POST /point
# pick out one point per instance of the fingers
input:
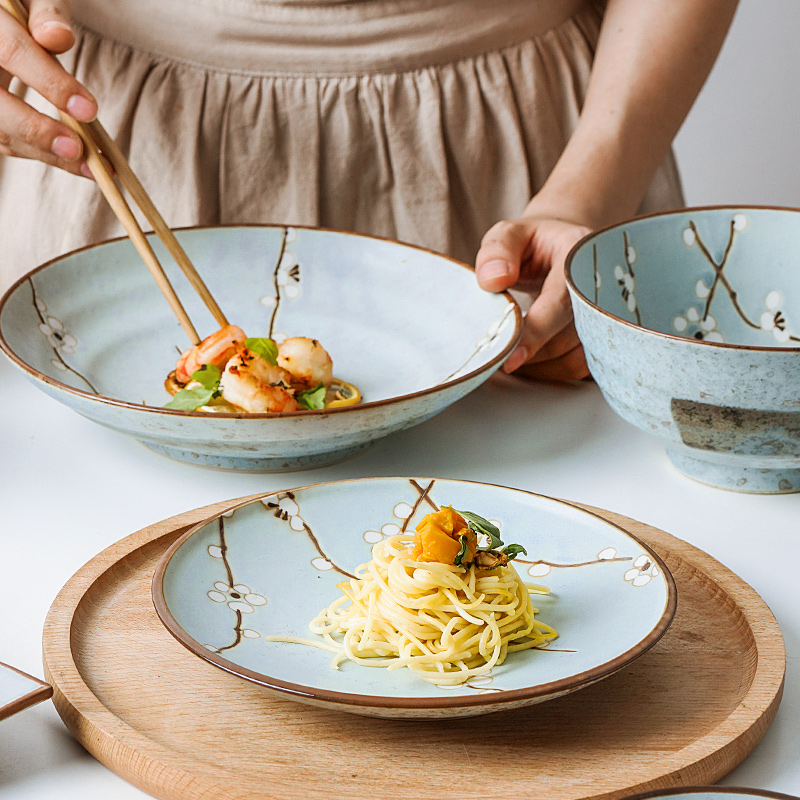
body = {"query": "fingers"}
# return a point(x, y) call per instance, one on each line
point(49, 24)
point(503, 248)
point(550, 313)
point(22, 56)
point(564, 341)
point(569, 367)
point(27, 133)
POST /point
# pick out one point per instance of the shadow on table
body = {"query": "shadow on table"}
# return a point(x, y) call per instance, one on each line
point(33, 742)
point(503, 425)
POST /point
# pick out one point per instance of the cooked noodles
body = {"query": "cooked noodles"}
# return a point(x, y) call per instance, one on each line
point(446, 623)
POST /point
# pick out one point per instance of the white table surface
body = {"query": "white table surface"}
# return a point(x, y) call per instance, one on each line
point(70, 488)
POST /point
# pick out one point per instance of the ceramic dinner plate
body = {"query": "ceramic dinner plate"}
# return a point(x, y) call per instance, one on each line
point(711, 793)
point(267, 567)
point(19, 690)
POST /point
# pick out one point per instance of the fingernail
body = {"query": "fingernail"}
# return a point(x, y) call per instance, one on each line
point(86, 172)
point(516, 359)
point(81, 108)
point(492, 270)
point(66, 148)
point(54, 23)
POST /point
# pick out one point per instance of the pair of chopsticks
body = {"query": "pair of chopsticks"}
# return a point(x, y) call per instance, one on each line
point(98, 143)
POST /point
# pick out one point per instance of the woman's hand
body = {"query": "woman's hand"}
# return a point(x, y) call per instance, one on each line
point(24, 131)
point(528, 254)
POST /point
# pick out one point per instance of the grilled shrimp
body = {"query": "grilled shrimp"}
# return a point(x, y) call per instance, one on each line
point(215, 349)
point(255, 385)
point(307, 361)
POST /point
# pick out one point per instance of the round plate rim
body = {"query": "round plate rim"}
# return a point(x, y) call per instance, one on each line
point(111, 401)
point(343, 699)
point(678, 791)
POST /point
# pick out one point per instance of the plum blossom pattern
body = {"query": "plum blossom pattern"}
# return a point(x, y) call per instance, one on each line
point(626, 278)
point(696, 321)
point(402, 512)
point(238, 597)
point(538, 569)
point(644, 569)
point(58, 338)
point(283, 505)
point(62, 342)
point(773, 320)
point(486, 341)
point(692, 323)
point(285, 277)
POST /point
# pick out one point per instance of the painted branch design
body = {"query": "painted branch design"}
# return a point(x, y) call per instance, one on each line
point(57, 337)
point(237, 597)
point(297, 523)
point(490, 337)
point(276, 287)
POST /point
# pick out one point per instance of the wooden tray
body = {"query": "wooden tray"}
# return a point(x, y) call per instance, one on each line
point(686, 712)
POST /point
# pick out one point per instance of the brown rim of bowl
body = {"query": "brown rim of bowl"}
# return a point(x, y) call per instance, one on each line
point(710, 789)
point(498, 359)
point(411, 703)
point(671, 213)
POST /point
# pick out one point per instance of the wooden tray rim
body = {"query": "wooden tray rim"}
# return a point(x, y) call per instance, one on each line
point(93, 724)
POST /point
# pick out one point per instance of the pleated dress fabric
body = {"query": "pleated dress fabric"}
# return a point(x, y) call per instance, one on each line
point(421, 120)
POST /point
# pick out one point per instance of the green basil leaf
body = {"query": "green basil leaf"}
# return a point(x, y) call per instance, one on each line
point(266, 348)
point(190, 399)
point(481, 525)
point(312, 399)
point(462, 552)
point(513, 550)
point(208, 376)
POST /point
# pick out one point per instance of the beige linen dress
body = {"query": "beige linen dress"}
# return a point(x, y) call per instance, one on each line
point(421, 120)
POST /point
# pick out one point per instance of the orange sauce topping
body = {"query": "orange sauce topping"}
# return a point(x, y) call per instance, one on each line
point(437, 538)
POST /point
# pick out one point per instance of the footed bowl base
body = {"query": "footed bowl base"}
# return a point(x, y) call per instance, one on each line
point(260, 463)
point(734, 477)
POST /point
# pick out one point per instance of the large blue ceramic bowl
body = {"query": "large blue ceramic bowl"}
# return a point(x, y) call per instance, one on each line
point(691, 325)
point(409, 327)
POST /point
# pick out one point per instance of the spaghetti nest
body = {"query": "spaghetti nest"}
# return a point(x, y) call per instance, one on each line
point(446, 623)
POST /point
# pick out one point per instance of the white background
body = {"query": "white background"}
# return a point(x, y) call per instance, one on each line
point(741, 141)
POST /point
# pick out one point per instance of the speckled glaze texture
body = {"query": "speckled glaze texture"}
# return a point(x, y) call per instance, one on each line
point(690, 322)
point(269, 566)
point(409, 327)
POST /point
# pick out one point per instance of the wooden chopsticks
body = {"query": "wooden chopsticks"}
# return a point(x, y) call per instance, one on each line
point(98, 143)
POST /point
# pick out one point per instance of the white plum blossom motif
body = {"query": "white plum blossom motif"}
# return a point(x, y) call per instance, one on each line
point(739, 222)
point(539, 570)
point(57, 336)
point(701, 289)
point(644, 569)
point(287, 280)
point(627, 283)
point(401, 511)
point(237, 597)
point(486, 341)
point(693, 325)
point(773, 320)
point(247, 633)
point(494, 330)
point(284, 507)
point(480, 684)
